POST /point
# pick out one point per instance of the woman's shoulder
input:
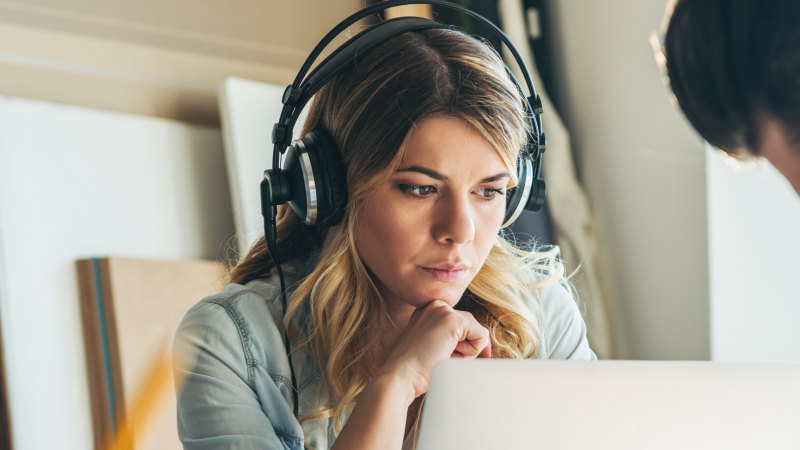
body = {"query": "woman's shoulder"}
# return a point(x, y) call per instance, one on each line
point(239, 318)
point(252, 307)
point(258, 299)
point(564, 330)
point(558, 302)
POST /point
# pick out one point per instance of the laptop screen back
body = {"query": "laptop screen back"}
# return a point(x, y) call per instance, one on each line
point(620, 405)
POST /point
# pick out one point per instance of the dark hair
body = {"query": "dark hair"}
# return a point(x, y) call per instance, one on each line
point(733, 64)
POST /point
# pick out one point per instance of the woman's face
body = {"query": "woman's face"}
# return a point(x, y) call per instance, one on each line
point(426, 231)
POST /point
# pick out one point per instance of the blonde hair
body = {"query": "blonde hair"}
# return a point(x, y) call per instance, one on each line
point(369, 110)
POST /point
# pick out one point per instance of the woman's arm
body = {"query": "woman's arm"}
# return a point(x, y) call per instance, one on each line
point(217, 406)
point(378, 419)
point(435, 332)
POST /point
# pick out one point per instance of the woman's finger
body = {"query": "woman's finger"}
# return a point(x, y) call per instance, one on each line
point(465, 350)
point(487, 351)
point(473, 348)
point(473, 331)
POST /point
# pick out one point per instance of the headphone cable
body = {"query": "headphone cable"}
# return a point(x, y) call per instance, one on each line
point(270, 235)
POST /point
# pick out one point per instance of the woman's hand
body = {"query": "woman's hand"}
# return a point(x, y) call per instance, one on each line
point(434, 333)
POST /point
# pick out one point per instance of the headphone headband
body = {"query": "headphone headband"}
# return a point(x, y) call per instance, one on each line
point(384, 5)
point(306, 84)
point(296, 97)
point(303, 88)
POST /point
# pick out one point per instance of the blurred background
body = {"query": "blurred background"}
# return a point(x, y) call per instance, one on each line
point(119, 139)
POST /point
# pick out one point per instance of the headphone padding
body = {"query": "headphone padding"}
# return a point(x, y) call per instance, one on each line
point(518, 196)
point(331, 177)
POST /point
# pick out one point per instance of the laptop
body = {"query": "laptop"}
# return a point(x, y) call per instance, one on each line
point(619, 405)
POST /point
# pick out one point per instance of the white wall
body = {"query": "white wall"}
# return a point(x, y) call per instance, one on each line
point(701, 258)
point(754, 256)
point(76, 183)
point(644, 171)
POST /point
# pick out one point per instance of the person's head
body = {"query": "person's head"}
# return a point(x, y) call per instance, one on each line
point(371, 108)
point(734, 67)
point(425, 100)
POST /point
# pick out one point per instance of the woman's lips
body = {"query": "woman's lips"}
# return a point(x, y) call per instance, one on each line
point(446, 273)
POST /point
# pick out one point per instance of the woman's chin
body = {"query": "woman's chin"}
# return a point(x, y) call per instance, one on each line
point(449, 296)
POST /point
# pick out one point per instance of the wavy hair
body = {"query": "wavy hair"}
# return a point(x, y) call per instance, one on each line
point(370, 110)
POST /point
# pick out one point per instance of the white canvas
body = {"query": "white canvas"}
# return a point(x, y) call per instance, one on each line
point(249, 109)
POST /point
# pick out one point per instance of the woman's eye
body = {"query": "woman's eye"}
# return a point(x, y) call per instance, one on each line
point(419, 191)
point(490, 193)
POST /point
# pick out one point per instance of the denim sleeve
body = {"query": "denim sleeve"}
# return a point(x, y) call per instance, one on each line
point(218, 408)
point(565, 330)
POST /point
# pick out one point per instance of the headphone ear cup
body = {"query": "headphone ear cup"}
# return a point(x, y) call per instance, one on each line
point(517, 197)
point(537, 196)
point(328, 185)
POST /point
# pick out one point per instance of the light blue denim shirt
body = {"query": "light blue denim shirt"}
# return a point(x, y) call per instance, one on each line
point(235, 390)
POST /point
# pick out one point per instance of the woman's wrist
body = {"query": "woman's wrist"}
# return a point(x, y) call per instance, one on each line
point(379, 417)
point(398, 381)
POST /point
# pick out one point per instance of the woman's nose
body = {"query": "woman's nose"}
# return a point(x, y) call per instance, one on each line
point(454, 222)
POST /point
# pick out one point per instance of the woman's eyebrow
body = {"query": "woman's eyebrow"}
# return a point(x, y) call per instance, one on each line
point(437, 176)
point(497, 177)
point(429, 172)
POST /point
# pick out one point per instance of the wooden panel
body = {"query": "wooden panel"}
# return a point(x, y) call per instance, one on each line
point(153, 57)
point(131, 309)
point(98, 362)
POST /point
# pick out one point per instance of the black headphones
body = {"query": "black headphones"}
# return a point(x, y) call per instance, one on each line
point(312, 177)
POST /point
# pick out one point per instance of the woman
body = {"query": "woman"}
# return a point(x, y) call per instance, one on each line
point(429, 127)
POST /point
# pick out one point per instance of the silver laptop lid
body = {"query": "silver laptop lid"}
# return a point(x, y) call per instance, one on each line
point(619, 405)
